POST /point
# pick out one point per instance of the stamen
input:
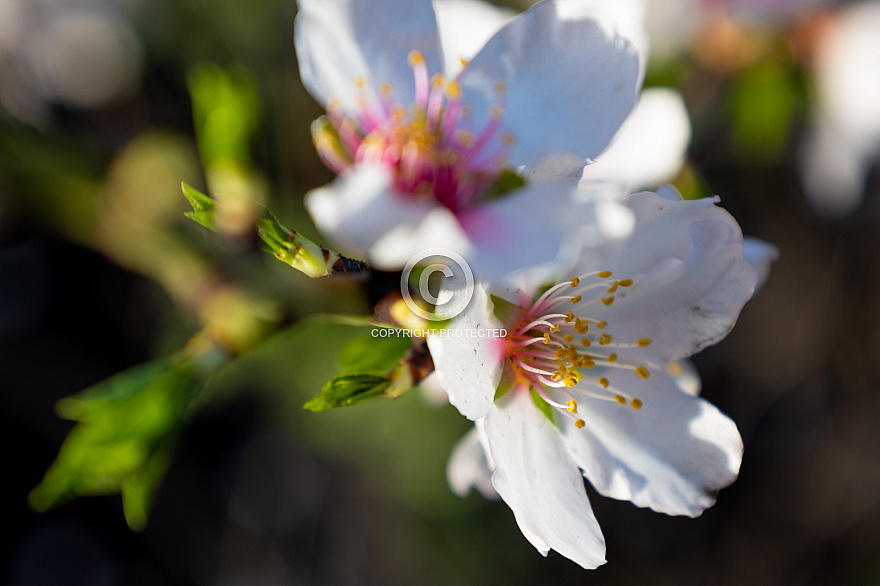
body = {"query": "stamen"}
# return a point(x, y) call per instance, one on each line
point(580, 423)
point(636, 404)
point(575, 282)
point(608, 300)
point(572, 406)
point(620, 399)
point(642, 372)
point(643, 342)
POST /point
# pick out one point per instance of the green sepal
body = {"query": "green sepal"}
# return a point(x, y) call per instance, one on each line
point(348, 389)
point(508, 181)
point(542, 406)
point(504, 310)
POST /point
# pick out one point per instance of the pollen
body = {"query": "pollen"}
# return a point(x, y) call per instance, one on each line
point(625, 283)
point(496, 111)
point(438, 79)
point(386, 89)
point(605, 339)
point(643, 372)
point(464, 62)
point(612, 357)
point(608, 300)
point(415, 58)
point(580, 423)
point(554, 329)
point(546, 338)
point(569, 317)
point(508, 138)
point(621, 400)
point(575, 300)
point(643, 342)
point(601, 325)
point(636, 404)
point(453, 90)
point(575, 282)
point(586, 342)
point(360, 82)
point(604, 382)
point(580, 326)
point(572, 406)
point(568, 338)
point(604, 274)
point(613, 287)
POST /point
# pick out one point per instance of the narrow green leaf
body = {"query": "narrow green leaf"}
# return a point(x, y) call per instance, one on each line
point(348, 389)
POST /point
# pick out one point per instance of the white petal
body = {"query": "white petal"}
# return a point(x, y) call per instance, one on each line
point(432, 392)
point(570, 81)
point(468, 467)
point(465, 26)
point(671, 455)
point(535, 233)
point(362, 211)
point(557, 167)
point(691, 280)
point(651, 146)
point(761, 255)
point(469, 366)
point(685, 376)
point(538, 480)
point(338, 41)
point(629, 19)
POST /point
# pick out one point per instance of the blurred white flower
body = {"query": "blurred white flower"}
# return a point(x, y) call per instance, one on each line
point(594, 382)
point(418, 151)
point(79, 53)
point(845, 139)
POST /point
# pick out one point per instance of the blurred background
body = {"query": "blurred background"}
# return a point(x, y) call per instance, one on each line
point(107, 105)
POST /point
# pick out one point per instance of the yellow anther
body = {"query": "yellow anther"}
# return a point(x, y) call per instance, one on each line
point(636, 404)
point(612, 357)
point(500, 88)
point(575, 300)
point(508, 138)
point(568, 338)
point(415, 58)
point(398, 111)
point(604, 382)
point(360, 81)
point(453, 90)
point(620, 399)
point(560, 354)
point(605, 339)
point(556, 377)
point(608, 300)
point(438, 79)
point(580, 326)
point(575, 282)
point(601, 325)
point(386, 89)
point(569, 317)
point(613, 287)
point(643, 372)
point(464, 62)
point(546, 338)
point(586, 342)
point(580, 423)
point(463, 137)
point(570, 381)
point(642, 342)
point(572, 406)
point(496, 111)
point(625, 283)
point(674, 369)
point(554, 328)
point(604, 274)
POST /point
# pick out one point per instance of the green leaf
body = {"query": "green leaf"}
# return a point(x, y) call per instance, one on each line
point(370, 353)
point(126, 432)
point(203, 206)
point(348, 389)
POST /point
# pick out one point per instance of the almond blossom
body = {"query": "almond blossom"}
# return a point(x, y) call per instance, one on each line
point(424, 145)
point(589, 381)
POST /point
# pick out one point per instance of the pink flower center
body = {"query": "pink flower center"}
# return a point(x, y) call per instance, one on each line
point(561, 350)
point(432, 147)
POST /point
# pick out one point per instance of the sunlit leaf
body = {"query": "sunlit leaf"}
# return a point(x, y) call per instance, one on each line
point(348, 389)
point(126, 430)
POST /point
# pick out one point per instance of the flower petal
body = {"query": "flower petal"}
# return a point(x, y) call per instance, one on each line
point(691, 280)
point(468, 466)
point(761, 255)
point(339, 41)
point(670, 456)
point(469, 366)
point(570, 81)
point(538, 480)
point(465, 26)
point(546, 224)
point(362, 211)
point(651, 146)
